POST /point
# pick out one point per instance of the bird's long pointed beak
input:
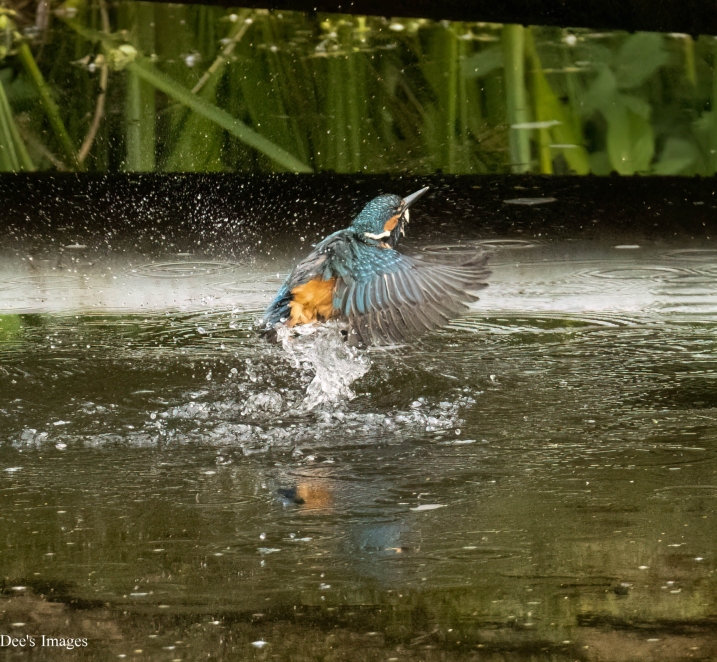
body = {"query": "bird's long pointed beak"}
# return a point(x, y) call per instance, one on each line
point(410, 199)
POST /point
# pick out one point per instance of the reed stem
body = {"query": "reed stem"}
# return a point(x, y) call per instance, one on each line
point(140, 101)
point(354, 97)
point(216, 69)
point(513, 43)
point(451, 100)
point(465, 106)
point(713, 153)
point(690, 69)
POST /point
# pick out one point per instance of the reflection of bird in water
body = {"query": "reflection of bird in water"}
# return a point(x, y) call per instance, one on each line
point(366, 538)
point(311, 495)
point(356, 275)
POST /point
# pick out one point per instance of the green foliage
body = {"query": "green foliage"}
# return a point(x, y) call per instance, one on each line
point(201, 88)
point(562, 128)
point(637, 59)
point(678, 157)
point(630, 138)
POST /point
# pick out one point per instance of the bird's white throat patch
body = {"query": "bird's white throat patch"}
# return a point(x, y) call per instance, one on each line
point(371, 235)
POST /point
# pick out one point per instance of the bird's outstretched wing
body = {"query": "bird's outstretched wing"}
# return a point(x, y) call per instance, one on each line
point(385, 297)
point(393, 297)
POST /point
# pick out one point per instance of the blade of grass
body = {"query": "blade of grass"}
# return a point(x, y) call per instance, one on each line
point(237, 128)
point(9, 161)
point(17, 152)
point(35, 145)
point(336, 115)
point(690, 70)
point(198, 145)
point(133, 118)
point(439, 67)
point(464, 106)
point(49, 105)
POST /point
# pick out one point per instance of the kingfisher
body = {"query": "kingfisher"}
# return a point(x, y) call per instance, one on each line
point(384, 297)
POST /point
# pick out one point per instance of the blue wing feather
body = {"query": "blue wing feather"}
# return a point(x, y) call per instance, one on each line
point(395, 297)
point(385, 296)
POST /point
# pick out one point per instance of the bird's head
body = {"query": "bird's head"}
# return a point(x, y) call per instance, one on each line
point(381, 222)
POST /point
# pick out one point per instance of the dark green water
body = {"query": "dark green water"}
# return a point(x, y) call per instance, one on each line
point(536, 482)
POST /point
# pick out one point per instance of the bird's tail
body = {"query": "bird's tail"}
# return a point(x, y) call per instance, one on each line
point(277, 311)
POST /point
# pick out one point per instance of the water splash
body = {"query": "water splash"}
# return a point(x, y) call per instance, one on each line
point(273, 421)
point(321, 350)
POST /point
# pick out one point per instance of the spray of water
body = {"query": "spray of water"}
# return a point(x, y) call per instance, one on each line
point(322, 351)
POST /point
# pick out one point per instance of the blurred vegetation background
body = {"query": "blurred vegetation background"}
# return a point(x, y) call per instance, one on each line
point(91, 85)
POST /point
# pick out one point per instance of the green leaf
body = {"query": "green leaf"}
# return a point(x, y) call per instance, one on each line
point(482, 63)
point(630, 140)
point(630, 136)
point(640, 57)
point(677, 156)
point(600, 163)
point(21, 93)
point(602, 93)
point(637, 105)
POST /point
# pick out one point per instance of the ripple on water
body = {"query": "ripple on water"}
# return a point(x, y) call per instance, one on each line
point(182, 269)
point(42, 281)
point(654, 273)
point(695, 279)
point(242, 288)
point(209, 329)
point(518, 324)
point(704, 255)
point(507, 244)
point(687, 491)
point(470, 247)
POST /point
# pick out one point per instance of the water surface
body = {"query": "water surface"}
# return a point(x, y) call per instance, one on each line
point(535, 482)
